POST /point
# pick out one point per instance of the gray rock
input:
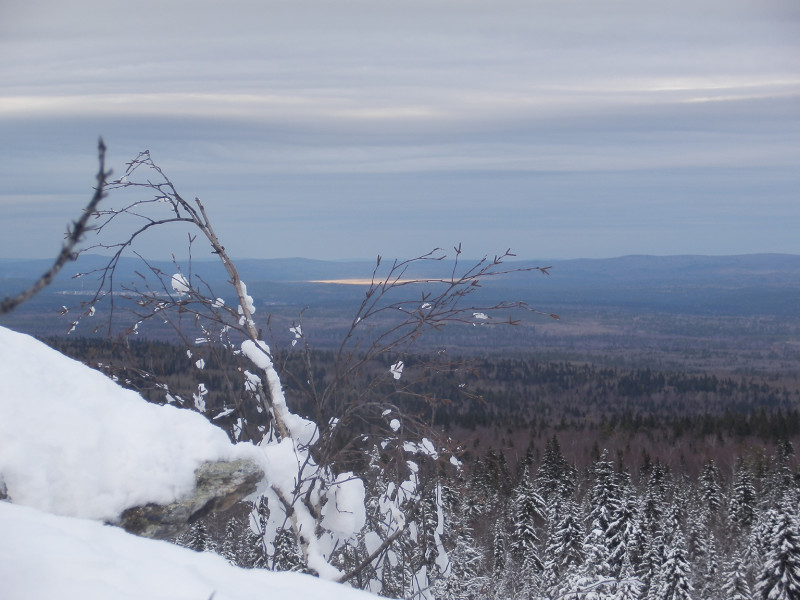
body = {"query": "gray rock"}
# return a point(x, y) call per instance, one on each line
point(219, 486)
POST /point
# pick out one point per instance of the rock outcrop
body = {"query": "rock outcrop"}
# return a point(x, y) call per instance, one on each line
point(219, 486)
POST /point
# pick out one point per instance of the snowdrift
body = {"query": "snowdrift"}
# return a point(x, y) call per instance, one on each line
point(75, 450)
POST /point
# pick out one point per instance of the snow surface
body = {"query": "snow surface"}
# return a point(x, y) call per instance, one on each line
point(48, 556)
point(75, 444)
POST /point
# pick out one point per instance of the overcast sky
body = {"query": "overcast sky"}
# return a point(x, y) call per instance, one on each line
point(345, 129)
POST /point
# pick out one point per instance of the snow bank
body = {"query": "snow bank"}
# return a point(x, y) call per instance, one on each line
point(73, 442)
point(47, 556)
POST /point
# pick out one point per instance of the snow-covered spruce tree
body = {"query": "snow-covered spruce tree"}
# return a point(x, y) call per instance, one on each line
point(595, 569)
point(500, 571)
point(564, 552)
point(555, 477)
point(286, 556)
point(624, 535)
point(198, 539)
point(250, 552)
point(675, 581)
point(735, 583)
point(313, 491)
point(465, 579)
point(742, 504)
point(528, 509)
point(780, 480)
point(652, 516)
point(704, 518)
point(605, 500)
point(779, 578)
point(629, 587)
point(710, 490)
point(605, 495)
point(230, 544)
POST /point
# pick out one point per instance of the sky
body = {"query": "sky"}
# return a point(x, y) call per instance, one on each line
point(342, 129)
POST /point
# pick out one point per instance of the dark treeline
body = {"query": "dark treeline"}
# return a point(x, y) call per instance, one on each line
point(502, 402)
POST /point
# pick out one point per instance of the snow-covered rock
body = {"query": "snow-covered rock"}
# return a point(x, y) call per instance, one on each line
point(76, 449)
point(74, 443)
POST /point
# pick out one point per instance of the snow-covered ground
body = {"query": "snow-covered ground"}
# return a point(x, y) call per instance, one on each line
point(75, 450)
point(48, 556)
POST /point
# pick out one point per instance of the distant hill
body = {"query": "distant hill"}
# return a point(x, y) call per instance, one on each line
point(695, 312)
point(735, 270)
point(744, 284)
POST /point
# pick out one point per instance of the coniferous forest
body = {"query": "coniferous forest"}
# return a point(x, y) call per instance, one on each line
point(546, 529)
point(695, 496)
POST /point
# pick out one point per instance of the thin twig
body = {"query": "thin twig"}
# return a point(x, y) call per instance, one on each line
point(74, 235)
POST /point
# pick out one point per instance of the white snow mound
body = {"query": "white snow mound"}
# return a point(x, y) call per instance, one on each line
point(47, 556)
point(75, 443)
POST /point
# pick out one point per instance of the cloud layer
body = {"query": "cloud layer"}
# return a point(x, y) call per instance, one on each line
point(557, 128)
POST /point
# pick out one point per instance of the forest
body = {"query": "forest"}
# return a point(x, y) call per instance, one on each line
point(673, 485)
point(545, 529)
point(681, 418)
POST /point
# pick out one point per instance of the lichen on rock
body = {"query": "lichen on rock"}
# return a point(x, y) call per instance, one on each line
point(219, 485)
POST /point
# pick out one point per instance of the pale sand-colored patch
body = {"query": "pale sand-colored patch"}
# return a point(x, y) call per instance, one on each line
point(355, 281)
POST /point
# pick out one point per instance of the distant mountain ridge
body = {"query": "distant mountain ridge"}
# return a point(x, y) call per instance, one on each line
point(748, 284)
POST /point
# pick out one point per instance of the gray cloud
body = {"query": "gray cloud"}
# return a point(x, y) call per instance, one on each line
point(558, 128)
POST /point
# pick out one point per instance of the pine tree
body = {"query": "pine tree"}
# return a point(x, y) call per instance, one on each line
point(230, 544)
point(499, 550)
point(623, 534)
point(255, 549)
point(707, 565)
point(780, 479)
point(198, 538)
point(555, 477)
point(528, 507)
point(425, 547)
point(675, 582)
point(463, 580)
point(252, 553)
point(595, 564)
point(734, 583)
point(564, 551)
point(287, 556)
point(711, 488)
point(650, 571)
point(780, 576)
point(605, 495)
point(743, 497)
point(652, 547)
point(629, 587)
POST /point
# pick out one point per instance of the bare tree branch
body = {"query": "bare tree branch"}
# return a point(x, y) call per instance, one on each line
point(74, 235)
